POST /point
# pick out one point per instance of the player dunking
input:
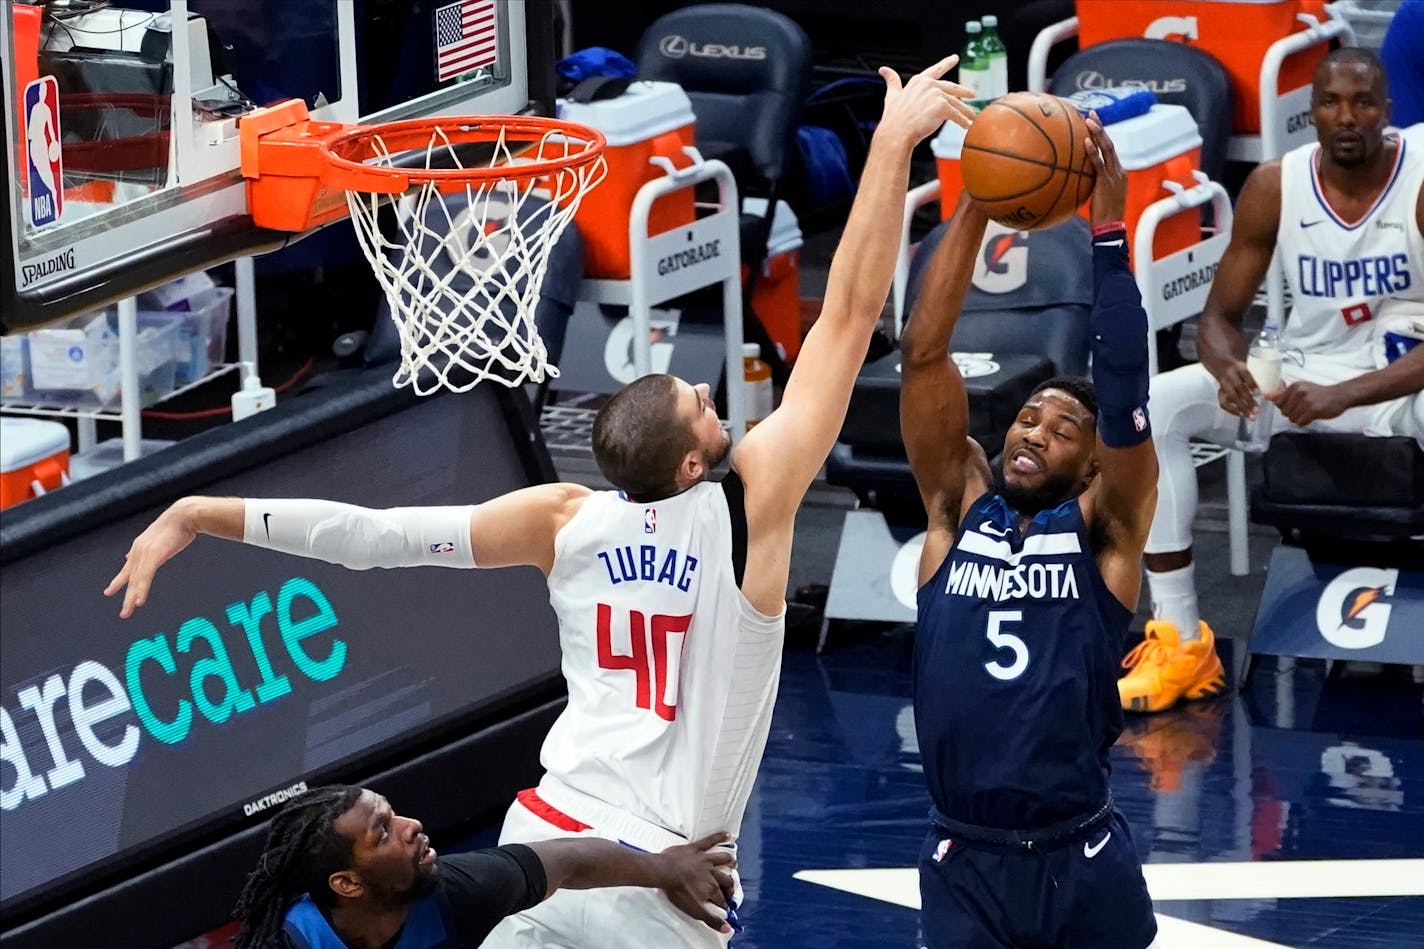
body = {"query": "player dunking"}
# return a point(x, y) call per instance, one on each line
point(670, 592)
point(1029, 577)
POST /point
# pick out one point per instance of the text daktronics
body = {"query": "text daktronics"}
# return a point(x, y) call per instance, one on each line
point(95, 695)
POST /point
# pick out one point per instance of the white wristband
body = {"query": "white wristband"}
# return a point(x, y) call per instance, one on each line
point(358, 537)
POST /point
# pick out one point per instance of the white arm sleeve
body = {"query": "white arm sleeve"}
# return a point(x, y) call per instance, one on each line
point(358, 537)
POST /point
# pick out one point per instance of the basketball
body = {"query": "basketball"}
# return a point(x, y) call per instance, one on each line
point(1024, 160)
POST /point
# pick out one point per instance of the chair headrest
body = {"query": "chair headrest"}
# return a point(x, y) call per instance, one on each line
point(729, 48)
point(1177, 73)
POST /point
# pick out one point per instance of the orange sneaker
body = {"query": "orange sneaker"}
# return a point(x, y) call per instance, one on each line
point(1163, 669)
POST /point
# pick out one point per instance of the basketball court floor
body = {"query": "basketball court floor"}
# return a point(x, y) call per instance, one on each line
point(1290, 813)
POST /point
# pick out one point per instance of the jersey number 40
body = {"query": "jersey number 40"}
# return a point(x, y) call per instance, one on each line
point(653, 661)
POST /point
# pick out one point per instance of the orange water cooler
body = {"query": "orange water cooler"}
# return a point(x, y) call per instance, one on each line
point(1163, 144)
point(1237, 32)
point(34, 459)
point(776, 300)
point(946, 146)
point(649, 119)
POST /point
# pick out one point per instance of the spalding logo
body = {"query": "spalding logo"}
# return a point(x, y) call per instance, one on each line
point(674, 46)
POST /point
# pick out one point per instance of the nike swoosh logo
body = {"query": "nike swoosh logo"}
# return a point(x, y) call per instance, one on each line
point(265, 527)
point(989, 528)
point(1304, 224)
point(1090, 851)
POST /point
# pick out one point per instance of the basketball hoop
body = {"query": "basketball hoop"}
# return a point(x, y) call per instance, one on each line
point(479, 202)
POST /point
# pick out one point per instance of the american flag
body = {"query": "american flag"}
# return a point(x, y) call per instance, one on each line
point(464, 37)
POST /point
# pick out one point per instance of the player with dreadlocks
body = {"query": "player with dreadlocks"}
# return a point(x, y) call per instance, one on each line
point(342, 870)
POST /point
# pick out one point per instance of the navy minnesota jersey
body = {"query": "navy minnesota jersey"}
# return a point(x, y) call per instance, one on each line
point(1015, 674)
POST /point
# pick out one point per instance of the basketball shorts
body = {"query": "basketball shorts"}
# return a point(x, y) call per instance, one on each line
point(619, 917)
point(1084, 891)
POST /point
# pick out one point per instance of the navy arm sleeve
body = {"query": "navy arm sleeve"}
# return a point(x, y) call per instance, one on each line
point(1119, 332)
point(482, 887)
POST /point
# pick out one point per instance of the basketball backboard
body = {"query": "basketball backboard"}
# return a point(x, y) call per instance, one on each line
point(121, 159)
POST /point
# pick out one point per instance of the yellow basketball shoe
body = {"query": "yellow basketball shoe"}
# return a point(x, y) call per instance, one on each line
point(1163, 669)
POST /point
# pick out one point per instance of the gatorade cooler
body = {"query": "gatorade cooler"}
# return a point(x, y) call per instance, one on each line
point(946, 145)
point(1236, 32)
point(651, 118)
point(34, 458)
point(777, 297)
point(1162, 144)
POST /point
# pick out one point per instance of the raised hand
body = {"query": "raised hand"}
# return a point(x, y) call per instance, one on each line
point(160, 542)
point(698, 879)
point(922, 105)
point(1110, 193)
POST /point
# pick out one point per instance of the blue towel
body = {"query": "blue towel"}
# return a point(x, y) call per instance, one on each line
point(595, 61)
point(1113, 104)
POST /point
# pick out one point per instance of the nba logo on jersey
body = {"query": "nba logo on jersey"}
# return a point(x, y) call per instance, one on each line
point(650, 520)
point(444, 547)
point(942, 849)
point(1139, 419)
point(44, 171)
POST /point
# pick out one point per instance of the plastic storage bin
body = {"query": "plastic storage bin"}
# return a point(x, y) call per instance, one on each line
point(78, 366)
point(34, 458)
point(651, 118)
point(14, 368)
point(777, 297)
point(1236, 32)
point(202, 332)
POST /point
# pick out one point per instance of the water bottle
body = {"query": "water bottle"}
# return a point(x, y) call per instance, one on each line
point(756, 379)
point(991, 48)
point(1263, 361)
point(973, 66)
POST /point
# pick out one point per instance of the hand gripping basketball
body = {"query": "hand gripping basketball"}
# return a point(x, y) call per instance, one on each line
point(1024, 163)
point(1110, 193)
point(923, 104)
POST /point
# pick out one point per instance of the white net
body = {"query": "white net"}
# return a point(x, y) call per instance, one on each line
point(463, 264)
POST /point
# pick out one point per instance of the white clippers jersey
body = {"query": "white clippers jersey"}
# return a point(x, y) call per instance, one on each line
point(671, 672)
point(1340, 272)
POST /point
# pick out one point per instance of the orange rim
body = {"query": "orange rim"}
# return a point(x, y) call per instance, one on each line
point(346, 152)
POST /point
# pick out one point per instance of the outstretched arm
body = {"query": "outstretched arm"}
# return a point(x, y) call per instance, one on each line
point(694, 876)
point(513, 529)
point(1124, 495)
point(934, 408)
point(780, 457)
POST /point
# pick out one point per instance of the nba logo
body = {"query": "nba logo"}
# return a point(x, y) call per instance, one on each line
point(650, 520)
point(44, 171)
point(1139, 419)
point(942, 849)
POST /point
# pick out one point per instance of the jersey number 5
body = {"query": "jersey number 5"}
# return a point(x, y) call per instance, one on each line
point(1006, 672)
point(651, 679)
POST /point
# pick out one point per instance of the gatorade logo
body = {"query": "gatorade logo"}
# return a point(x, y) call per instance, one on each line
point(618, 348)
point(1353, 610)
point(1179, 28)
point(1003, 261)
